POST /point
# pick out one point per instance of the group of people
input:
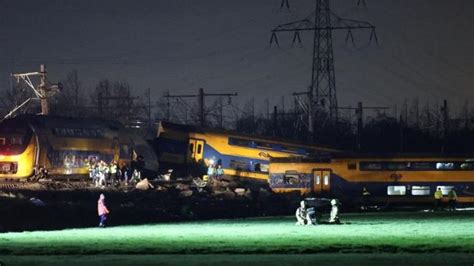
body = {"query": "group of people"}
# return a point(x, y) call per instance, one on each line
point(215, 172)
point(452, 199)
point(307, 215)
point(103, 174)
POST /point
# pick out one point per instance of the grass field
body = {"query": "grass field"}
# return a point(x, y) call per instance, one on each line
point(385, 234)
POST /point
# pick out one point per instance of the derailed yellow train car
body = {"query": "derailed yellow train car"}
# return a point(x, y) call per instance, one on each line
point(240, 155)
point(66, 146)
point(385, 178)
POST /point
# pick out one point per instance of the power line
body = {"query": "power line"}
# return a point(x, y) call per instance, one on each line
point(201, 103)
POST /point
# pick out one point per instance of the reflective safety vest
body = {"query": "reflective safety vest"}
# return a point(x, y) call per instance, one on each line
point(438, 194)
point(113, 169)
point(452, 195)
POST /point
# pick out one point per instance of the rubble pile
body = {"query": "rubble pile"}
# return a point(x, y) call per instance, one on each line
point(55, 205)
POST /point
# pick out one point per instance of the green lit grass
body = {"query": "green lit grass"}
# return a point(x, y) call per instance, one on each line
point(361, 233)
point(320, 259)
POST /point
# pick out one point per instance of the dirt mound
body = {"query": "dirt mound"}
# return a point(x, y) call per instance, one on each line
point(57, 205)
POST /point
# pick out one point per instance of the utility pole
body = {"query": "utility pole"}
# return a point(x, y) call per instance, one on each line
point(42, 92)
point(275, 120)
point(402, 138)
point(201, 103)
point(322, 23)
point(359, 110)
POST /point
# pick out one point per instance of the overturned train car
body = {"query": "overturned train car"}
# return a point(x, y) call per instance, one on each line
point(241, 156)
point(394, 179)
point(66, 146)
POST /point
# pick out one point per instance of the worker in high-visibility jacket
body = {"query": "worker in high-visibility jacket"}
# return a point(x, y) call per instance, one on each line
point(438, 197)
point(113, 172)
point(452, 198)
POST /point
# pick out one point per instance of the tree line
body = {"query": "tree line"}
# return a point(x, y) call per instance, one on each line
point(411, 127)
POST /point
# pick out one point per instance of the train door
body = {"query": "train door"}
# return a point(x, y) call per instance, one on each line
point(195, 150)
point(321, 181)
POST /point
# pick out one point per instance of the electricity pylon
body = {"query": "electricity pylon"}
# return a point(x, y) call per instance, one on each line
point(322, 22)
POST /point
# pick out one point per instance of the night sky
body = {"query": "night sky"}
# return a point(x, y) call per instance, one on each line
point(426, 47)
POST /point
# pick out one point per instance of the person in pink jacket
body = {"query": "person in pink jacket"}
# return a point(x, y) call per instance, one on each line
point(102, 210)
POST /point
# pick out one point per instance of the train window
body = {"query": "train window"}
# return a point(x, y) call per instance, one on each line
point(396, 190)
point(264, 168)
point(326, 180)
point(445, 189)
point(318, 179)
point(256, 167)
point(444, 166)
point(199, 149)
point(291, 177)
point(352, 166)
point(420, 190)
point(277, 147)
point(397, 165)
point(2, 141)
point(264, 145)
point(370, 166)
point(238, 165)
point(467, 165)
point(422, 166)
point(293, 149)
point(191, 148)
point(240, 142)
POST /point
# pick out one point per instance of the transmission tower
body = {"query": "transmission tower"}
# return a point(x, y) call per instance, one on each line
point(322, 22)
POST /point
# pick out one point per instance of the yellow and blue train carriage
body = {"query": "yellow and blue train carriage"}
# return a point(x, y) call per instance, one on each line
point(66, 146)
point(389, 178)
point(239, 155)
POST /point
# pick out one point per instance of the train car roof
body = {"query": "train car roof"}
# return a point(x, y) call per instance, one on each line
point(203, 130)
point(326, 158)
point(48, 121)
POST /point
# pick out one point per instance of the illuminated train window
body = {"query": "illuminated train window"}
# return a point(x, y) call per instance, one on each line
point(420, 190)
point(445, 189)
point(444, 166)
point(326, 180)
point(396, 190)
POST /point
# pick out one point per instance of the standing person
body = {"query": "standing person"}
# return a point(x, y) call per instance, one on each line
point(365, 199)
point(102, 173)
point(219, 172)
point(113, 172)
point(126, 173)
point(102, 210)
point(211, 172)
point(438, 197)
point(334, 215)
point(452, 197)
